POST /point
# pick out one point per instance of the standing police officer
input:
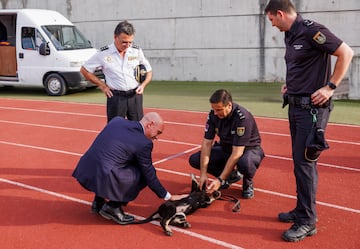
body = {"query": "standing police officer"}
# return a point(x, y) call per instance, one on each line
point(238, 151)
point(308, 90)
point(118, 62)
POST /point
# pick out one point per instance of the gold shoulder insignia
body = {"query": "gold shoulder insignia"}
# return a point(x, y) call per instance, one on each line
point(319, 37)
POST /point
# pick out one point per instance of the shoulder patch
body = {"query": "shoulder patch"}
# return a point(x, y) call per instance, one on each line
point(308, 22)
point(240, 131)
point(319, 37)
point(104, 48)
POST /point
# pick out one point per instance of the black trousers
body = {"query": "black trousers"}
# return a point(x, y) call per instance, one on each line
point(247, 164)
point(306, 174)
point(126, 106)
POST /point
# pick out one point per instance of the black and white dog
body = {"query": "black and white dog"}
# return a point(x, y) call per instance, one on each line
point(174, 212)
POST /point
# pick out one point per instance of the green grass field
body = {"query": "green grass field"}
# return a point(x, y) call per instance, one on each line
point(262, 99)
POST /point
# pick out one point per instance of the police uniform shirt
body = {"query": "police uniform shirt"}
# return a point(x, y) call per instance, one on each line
point(238, 129)
point(308, 49)
point(118, 71)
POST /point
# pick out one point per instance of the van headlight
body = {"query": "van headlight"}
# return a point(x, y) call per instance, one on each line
point(76, 63)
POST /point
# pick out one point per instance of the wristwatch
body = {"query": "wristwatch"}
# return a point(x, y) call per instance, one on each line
point(222, 182)
point(331, 85)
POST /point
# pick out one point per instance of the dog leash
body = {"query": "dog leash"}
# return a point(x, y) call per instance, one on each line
point(233, 199)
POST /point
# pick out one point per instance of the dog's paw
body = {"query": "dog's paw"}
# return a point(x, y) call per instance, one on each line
point(186, 225)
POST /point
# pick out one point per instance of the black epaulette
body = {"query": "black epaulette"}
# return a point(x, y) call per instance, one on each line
point(104, 48)
point(308, 22)
point(135, 46)
point(240, 114)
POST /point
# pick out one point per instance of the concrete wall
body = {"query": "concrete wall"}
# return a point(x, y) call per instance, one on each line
point(205, 40)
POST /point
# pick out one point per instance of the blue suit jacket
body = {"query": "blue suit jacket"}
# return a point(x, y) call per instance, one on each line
point(118, 165)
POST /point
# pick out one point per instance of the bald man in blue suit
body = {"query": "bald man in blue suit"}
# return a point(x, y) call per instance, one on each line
point(118, 165)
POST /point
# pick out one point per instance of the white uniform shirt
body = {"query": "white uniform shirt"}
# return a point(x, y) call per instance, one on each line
point(118, 71)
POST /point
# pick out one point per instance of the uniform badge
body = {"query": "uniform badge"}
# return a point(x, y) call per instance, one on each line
point(320, 38)
point(108, 59)
point(240, 131)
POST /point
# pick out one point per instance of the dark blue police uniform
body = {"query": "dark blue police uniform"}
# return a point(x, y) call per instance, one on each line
point(238, 129)
point(118, 165)
point(308, 49)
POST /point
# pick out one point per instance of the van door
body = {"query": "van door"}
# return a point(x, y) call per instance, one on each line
point(30, 62)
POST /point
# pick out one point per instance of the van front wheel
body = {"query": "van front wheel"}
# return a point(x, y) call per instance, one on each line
point(55, 85)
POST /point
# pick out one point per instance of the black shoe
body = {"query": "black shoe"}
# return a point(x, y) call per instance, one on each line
point(96, 206)
point(235, 176)
point(298, 232)
point(287, 217)
point(248, 191)
point(116, 214)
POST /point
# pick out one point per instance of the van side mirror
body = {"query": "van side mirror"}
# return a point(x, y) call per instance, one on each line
point(44, 49)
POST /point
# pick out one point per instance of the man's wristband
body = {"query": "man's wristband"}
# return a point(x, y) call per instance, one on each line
point(331, 85)
point(222, 182)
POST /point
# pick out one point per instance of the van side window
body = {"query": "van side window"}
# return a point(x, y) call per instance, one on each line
point(31, 38)
point(3, 32)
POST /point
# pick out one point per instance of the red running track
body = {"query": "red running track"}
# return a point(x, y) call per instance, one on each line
point(42, 206)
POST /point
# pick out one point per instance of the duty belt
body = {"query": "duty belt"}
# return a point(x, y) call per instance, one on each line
point(128, 93)
point(302, 101)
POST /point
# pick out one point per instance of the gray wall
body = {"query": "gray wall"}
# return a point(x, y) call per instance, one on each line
point(206, 40)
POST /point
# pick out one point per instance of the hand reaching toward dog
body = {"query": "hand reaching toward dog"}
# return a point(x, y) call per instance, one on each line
point(214, 186)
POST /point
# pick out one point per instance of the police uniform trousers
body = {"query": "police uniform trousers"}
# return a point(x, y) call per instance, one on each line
point(306, 174)
point(125, 104)
point(247, 164)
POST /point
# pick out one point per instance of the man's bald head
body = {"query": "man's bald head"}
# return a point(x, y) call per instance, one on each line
point(153, 125)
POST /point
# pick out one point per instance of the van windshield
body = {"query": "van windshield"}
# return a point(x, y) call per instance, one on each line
point(66, 37)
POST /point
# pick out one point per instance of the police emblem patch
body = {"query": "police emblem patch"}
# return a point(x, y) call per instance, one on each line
point(240, 131)
point(108, 59)
point(320, 38)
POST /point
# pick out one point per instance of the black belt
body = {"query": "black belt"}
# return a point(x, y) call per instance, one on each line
point(303, 101)
point(128, 93)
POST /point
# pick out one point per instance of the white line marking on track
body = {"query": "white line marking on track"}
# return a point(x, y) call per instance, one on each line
point(167, 122)
point(66, 197)
point(185, 174)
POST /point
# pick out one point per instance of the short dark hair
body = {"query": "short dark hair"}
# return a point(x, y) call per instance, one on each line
point(284, 5)
point(221, 95)
point(124, 27)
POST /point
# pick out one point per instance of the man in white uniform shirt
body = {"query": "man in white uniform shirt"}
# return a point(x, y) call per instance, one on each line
point(118, 62)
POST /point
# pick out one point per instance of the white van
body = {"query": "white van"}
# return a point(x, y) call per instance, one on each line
point(42, 48)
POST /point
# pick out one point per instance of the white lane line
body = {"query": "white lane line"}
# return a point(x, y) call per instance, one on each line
point(54, 112)
point(167, 122)
point(69, 198)
point(160, 109)
point(185, 174)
